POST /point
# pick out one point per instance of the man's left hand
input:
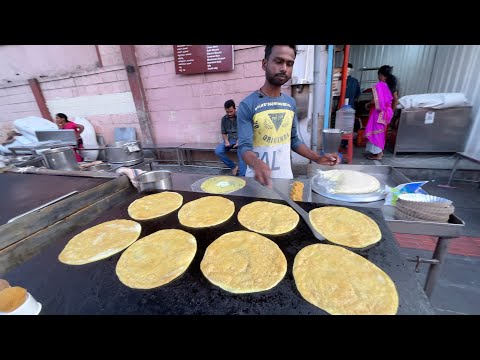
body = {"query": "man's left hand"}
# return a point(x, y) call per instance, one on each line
point(328, 159)
point(236, 145)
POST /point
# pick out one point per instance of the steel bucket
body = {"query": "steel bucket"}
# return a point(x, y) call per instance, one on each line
point(62, 158)
point(120, 153)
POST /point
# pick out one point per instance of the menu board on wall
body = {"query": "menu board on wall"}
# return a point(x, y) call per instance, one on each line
point(198, 59)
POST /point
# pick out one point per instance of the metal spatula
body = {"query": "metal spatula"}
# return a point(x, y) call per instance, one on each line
point(300, 211)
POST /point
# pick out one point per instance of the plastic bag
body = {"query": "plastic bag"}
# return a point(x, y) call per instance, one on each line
point(408, 188)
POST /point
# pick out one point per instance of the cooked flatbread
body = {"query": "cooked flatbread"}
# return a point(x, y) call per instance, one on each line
point(268, 218)
point(100, 242)
point(222, 184)
point(156, 259)
point(206, 211)
point(244, 262)
point(156, 205)
point(343, 283)
point(345, 227)
point(351, 182)
point(11, 298)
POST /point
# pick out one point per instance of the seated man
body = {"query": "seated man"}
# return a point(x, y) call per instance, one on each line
point(230, 139)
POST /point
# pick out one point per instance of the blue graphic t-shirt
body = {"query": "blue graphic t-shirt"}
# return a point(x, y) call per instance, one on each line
point(268, 127)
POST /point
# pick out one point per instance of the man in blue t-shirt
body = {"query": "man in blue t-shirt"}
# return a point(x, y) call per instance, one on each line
point(228, 128)
point(267, 122)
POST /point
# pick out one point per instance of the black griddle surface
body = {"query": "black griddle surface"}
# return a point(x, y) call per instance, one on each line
point(95, 288)
point(20, 193)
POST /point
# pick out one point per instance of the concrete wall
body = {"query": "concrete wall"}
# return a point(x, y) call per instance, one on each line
point(182, 107)
point(189, 107)
point(16, 102)
point(23, 62)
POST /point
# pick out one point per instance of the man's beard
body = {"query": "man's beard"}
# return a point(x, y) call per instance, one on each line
point(275, 80)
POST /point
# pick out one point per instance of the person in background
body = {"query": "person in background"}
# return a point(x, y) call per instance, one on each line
point(385, 99)
point(267, 122)
point(352, 92)
point(65, 124)
point(230, 139)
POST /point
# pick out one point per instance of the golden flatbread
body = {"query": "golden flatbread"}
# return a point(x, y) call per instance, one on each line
point(345, 226)
point(222, 184)
point(268, 218)
point(156, 205)
point(100, 242)
point(343, 283)
point(244, 262)
point(11, 298)
point(156, 259)
point(206, 211)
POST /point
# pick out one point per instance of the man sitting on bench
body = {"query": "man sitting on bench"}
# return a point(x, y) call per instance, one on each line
point(230, 139)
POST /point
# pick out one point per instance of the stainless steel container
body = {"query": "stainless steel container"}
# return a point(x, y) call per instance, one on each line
point(62, 158)
point(124, 152)
point(154, 180)
point(331, 140)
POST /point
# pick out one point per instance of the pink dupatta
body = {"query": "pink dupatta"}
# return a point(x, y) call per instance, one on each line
point(380, 116)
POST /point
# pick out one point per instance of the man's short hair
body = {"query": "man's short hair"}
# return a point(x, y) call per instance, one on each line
point(229, 103)
point(268, 50)
point(350, 65)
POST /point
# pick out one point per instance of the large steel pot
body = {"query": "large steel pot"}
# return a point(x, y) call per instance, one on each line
point(62, 158)
point(124, 152)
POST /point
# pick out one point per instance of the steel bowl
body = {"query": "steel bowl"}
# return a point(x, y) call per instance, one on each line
point(154, 180)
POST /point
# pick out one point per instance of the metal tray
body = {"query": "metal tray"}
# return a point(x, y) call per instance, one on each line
point(380, 194)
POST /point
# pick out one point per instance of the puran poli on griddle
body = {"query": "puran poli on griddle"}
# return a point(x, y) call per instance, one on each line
point(100, 241)
point(222, 184)
point(345, 226)
point(156, 259)
point(206, 211)
point(11, 298)
point(155, 205)
point(244, 262)
point(341, 282)
point(268, 218)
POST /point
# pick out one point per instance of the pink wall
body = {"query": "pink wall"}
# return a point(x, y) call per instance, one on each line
point(105, 81)
point(189, 107)
point(15, 102)
point(23, 62)
point(182, 107)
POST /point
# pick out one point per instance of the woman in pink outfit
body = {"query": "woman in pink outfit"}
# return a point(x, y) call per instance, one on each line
point(385, 99)
point(63, 123)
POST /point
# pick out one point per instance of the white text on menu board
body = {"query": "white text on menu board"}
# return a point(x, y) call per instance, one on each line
point(184, 56)
point(214, 56)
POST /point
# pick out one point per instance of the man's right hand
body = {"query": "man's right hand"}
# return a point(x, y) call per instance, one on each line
point(227, 144)
point(263, 173)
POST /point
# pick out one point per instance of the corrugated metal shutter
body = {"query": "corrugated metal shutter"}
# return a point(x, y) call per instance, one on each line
point(412, 64)
point(457, 69)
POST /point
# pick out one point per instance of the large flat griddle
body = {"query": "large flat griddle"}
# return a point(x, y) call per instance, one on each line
point(95, 289)
point(20, 193)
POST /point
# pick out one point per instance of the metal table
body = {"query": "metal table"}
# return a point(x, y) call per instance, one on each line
point(42, 145)
point(185, 153)
point(444, 231)
point(460, 156)
point(161, 146)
